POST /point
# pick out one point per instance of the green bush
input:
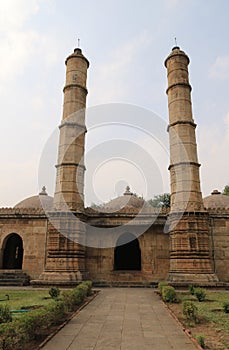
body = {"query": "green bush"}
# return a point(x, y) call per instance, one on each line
point(79, 295)
point(226, 307)
point(200, 294)
point(200, 339)
point(54, 292)
point(190, 311)
point(72, 299)
point(168, 294)
point(161, 285)
point(191, 289)
point(82, 288)
point(9, 337)
point(35, 324)
point(89, 287)
point(69, 300)
point(5, 314)
point(56, 312)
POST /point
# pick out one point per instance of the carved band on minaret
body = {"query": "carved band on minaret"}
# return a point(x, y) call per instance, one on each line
point(179, 84)
point(76, 86)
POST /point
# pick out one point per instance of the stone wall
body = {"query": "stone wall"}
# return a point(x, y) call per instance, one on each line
point(219, 223)
point(154, 246)
point(31, 226)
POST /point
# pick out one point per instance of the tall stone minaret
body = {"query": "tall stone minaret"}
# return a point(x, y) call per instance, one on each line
point(65, 250)
point(69, 194)
point(190, 256)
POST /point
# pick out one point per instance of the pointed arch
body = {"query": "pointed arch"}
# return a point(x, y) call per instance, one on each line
point(13, 252)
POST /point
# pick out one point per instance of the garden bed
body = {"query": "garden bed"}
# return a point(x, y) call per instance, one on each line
point(212, 323)
point(38, 316)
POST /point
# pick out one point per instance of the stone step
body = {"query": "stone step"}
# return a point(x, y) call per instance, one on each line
point(125, 284)
point(13, 275)
point(13, 278)
point(12, 283)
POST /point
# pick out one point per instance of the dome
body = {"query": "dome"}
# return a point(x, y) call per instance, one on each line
point(216, 200)
point(41, 201)
point(128, 200)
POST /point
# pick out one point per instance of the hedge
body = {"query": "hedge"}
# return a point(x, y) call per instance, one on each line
point(33, 326)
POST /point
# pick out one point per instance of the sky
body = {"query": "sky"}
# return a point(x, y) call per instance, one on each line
point(126, 43)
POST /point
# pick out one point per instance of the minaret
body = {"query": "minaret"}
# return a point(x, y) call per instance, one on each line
point(184, 167)
point(190, 257)
point(69, 194)
point(65, 250)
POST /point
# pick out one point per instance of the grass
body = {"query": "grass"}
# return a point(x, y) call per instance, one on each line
point(212, 308)
point(212, 325)
point(24, 299)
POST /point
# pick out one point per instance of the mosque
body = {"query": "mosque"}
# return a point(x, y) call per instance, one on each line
point(48, 240)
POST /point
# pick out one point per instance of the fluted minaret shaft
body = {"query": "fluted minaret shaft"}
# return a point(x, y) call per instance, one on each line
point(69, 193)
point(184, 166)
point(190, 254)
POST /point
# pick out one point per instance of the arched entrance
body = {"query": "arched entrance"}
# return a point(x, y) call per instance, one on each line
point(127, 256)
point(13, 252)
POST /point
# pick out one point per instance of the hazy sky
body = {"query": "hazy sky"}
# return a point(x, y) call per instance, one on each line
point(126, 43)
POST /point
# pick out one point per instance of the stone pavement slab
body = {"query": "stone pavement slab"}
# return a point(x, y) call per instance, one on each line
point(122, 319)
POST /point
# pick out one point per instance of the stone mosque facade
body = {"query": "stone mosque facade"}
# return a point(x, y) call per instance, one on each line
point(57, 241)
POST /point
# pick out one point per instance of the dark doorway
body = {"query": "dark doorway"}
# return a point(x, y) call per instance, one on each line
point(127, 254)
point(13, 253)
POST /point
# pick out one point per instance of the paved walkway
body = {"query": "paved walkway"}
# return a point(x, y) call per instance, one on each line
point(122, 319)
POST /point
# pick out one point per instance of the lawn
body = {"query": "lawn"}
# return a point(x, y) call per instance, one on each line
point(24, 299)
point(213, 321)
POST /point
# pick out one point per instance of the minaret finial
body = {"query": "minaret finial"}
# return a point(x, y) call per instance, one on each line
point(175, 47)
point(78, 42)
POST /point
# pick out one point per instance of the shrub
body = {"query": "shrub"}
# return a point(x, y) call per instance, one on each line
point(82, 289)
point(161, 285)
point(79, 295)
point(190, 311)
point(56, 312)
point(72, 298)
point(200, 294)
point(9, 337)
point(200, 339)
point(54, 292)
point(226, 307)
point(168, 294)
point(69, 301)
point(89, 287)
point(34, 323)
point(5, 314)
point(191, 289)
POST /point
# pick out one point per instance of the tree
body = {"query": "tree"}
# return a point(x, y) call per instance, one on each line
point(226, 190)
point(160, 201)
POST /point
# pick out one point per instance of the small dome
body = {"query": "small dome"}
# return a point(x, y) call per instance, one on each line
point(127, 200)
point(216, 200)
point(41, 201)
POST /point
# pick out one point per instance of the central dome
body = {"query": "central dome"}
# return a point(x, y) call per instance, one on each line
point(128, 200)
